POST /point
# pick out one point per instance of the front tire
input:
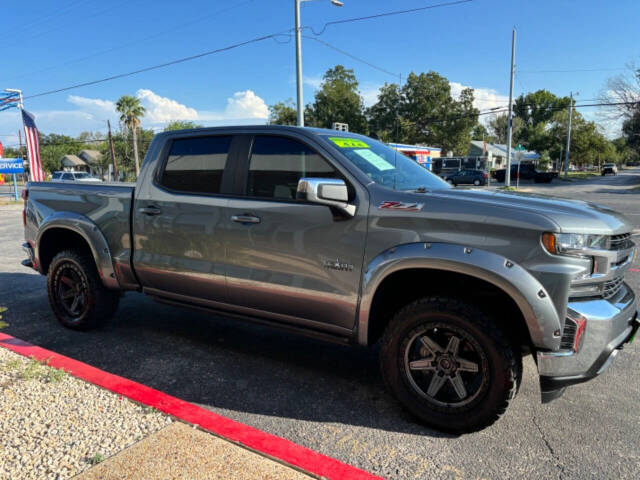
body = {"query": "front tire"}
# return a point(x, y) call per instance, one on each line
point(449, 364)
point(77, 296)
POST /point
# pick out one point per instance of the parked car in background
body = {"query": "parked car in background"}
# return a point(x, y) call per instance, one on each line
point(609, 168)
point(73, 177)
point(468, 177)
point(527, 171)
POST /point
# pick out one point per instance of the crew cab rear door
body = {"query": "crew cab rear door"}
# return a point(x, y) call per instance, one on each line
point(288, 259)
point(178, 219)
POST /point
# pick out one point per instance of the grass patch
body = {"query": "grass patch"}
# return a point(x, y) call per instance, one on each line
point(507, 189)
point(96, 459)
point(149, 410)
point(3, 324)
point(35, 370)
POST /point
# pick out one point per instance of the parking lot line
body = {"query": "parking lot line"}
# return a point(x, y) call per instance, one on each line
point(250, 437)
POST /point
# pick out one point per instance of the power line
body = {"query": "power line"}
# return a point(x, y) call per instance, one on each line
point(155, 67)
point(366, 62)
point(385, 14)
point(237, 45)
point(128, 44)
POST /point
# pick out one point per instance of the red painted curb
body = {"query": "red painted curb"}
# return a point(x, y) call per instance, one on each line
point(634, 269)
point(280, 448)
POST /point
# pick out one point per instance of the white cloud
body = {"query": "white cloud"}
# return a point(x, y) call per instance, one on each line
point(369, 94)
point(314, 82)
point(484, 98)
point(93, 105)
point(163, 109)
point(246, 105)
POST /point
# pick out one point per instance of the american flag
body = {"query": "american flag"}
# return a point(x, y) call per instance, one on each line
point(33, 146)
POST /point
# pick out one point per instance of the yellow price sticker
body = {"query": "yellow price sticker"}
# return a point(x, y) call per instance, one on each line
point(344, 142)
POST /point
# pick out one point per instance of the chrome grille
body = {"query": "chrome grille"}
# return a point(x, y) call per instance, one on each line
point(620, 242)
point(610, 288)
point(568, 334)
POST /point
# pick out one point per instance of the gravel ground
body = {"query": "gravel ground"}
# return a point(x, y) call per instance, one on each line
point(54, 426)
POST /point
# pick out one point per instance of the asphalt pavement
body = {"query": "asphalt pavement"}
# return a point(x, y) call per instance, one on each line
point(330, 398)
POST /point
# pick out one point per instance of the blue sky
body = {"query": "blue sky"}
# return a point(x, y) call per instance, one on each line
point(54, 44)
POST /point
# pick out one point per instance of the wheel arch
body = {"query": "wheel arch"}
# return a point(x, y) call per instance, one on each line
point(478, 271)
point(66, 230)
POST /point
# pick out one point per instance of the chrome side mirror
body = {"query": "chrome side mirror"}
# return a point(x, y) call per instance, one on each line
point(326, 191)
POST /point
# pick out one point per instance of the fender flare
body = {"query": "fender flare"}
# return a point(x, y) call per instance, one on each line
point(88, 230)
point(533, 300)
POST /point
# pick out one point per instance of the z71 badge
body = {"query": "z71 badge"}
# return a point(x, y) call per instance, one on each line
point(405, 206)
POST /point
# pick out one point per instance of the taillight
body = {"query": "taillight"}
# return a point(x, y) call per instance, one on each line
point(484, 175)
point(25, 197)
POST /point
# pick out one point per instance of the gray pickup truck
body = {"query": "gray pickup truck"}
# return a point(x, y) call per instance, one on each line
point(338, 236)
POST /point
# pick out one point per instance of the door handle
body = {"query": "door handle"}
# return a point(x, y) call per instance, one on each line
point(150, 210)
point(245, 219)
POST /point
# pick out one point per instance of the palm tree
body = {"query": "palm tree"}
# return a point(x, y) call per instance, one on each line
point(130, 112)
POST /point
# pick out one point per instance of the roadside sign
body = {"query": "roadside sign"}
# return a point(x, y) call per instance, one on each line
point(11, 165)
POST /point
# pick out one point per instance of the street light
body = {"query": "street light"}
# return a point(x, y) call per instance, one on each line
point(297, 3)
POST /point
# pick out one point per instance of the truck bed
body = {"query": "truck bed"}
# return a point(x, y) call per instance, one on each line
point(106, 205)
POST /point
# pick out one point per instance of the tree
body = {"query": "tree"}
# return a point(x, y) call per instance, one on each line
point(338, 100)
point(383, 115)
point(283, 113)
point(131, 111)
point(498, 129)
point(424, 111)
point(181, 125)
point(538, 107)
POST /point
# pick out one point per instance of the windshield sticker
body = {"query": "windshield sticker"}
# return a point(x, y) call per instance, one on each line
point(344, 142)
point(404, 206)
point(374, 159)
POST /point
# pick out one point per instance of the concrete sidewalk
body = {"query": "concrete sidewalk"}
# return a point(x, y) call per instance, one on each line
point(181, 451)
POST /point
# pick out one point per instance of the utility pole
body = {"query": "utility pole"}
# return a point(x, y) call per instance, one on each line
point(566, 154)
point(113, 154)
point(335, 3)
point(299, 65)
point(507, 175)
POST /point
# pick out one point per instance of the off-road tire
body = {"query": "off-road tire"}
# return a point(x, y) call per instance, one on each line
point(98, 303)
point(502, 364)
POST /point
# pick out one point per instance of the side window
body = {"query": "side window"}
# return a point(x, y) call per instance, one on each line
point(277, 163)
point(67, 176)
point(196, 165)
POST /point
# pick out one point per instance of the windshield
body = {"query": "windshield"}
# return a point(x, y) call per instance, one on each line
point(384, 165)
point(81, 175)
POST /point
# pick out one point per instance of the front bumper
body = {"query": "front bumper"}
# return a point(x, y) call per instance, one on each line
point(610, 324)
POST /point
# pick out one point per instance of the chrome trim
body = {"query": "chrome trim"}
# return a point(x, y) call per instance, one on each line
point(326, 191)
point(609, 323)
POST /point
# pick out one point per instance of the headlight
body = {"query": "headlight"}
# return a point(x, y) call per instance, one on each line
point(573, 243)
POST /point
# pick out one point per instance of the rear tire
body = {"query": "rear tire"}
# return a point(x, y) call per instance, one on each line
point(449, 364)
point(77, 296)
point(476, 183)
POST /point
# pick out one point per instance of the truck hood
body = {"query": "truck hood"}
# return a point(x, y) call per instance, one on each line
point(574, 216)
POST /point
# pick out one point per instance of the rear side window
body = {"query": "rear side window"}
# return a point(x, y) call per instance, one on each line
point(277, 163)
point(196, 165)
point(56, 176)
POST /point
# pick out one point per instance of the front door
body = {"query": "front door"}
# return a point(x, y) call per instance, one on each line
point(288, 259)
point(178, 218)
